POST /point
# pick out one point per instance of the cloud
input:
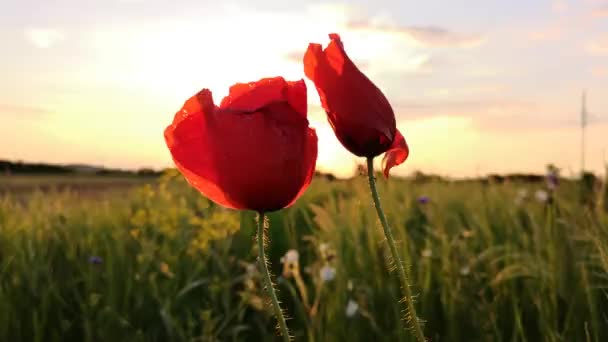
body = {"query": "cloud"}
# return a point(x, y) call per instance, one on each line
point(496, 115)
point(559, 6)
point(465, 108)
point(428, 36)
point(298, 56)
point(17, 114)
point(598, 46)
point(295, 56)
point(600, 12)
point(547, 34)
point(599, 72)
point(43, 38)
point(18, 110)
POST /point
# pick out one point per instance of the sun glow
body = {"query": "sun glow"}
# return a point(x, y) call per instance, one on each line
point(102, 92)
point(152, 69)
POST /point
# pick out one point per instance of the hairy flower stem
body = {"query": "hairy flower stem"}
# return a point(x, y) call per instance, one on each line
point(263, 261)
point(405, 286)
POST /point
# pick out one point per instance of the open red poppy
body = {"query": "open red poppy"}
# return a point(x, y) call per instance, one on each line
point(255, 151)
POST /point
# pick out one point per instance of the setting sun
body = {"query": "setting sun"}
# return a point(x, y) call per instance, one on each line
point(304, 170)
point(103, 93)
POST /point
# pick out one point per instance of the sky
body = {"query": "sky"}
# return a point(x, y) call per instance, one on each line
point(477, 86)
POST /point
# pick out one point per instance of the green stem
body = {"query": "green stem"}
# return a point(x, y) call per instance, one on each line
point(409, 300)
point(263, 261)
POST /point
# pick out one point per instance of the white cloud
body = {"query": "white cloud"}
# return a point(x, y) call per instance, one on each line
point(550, 33)
point(424, 36)
point(599, 71)
point(600, 12)
point(598, 46)
point(559, 6)
point(43, 38)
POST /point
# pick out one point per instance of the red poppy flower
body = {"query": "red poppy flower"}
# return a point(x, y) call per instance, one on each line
point(255, 151)
point(358, 112)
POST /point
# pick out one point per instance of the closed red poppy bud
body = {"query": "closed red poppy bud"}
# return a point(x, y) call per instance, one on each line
point(359, 113)
point(255, 151)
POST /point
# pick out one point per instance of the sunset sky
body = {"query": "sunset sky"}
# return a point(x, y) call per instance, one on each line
point(478, 86)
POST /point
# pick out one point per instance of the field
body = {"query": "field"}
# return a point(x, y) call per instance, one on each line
point(82, 184)
point(155, 261)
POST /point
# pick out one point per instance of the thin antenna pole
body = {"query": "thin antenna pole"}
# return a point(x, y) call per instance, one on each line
point(583, 125)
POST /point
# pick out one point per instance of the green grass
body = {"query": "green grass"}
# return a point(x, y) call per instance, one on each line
point(87, 185)
point(177, 267)
point(37, 180)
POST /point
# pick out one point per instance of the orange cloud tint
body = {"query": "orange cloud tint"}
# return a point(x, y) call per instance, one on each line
point(599, 71)
point(600, 12)
point(548, 34)
point(432, 36)
point(598, 46)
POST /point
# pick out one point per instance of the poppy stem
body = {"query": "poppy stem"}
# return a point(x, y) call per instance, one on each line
point(405, 286)
point(262, 221)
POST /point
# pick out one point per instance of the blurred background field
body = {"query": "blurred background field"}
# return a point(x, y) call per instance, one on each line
point(150, 259)
point(479, 87)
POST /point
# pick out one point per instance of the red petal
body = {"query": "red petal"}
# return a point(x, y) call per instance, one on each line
point(252, 96)
point(186, 140)
point(311, 57)
point(262, 158)
point(310, 158)
point(261, 161)
point(358, 112)
point(397, 154)
point(334, 37)
point(296, 96)
point(249, 97)
point(192, 109)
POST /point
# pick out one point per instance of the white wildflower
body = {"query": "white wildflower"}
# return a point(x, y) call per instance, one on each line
point(251, 269)
point(323, 247)
point(522, 195)
point(467, 233)
point(328, 273)
point(292, 256)
point(541, 196)
point(351, 308)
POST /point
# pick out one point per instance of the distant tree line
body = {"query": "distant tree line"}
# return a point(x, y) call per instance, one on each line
point(23, 168)
point(19, 167)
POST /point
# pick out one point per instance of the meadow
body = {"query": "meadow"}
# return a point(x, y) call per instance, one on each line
point(156, 261)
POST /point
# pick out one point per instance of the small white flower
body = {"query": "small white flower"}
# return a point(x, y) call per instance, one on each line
point(351, 308)
point(467, 233)
point(291, 264)
point(251, 269)
point(541, 196)
point(328, 273)
point(522, 193)
point(465, 271)
point(427, 253)
point(292, 256)
point(323, 247)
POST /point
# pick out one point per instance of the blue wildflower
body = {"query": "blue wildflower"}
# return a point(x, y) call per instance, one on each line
point(96, 260)
point(423, 199)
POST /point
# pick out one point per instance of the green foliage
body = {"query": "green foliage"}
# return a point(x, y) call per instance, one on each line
point(486, 264)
